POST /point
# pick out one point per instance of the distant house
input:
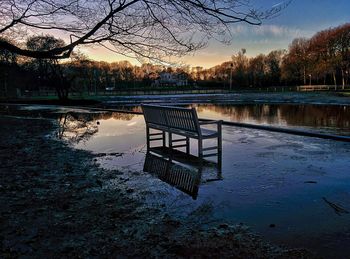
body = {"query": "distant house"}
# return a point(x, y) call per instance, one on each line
point(171, 79)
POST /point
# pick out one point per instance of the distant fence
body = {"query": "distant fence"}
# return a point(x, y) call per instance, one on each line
point(195, 91)
point(44, 93)
point(47, 93)
point(160, 92)
point(127, 92)
point(121, 92)
point(310, 88)
point(272, 89)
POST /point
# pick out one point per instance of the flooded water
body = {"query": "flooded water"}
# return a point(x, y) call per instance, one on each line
point(275, 183)
point(334, 119)
point(286, 188)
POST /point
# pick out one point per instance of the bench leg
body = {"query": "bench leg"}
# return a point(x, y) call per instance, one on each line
point(164, 140)
point(147, 138)
point(200, 148)
point(220, 147)
point(170, 142)
point(188, 145)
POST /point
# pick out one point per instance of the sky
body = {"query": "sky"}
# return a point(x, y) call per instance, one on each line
point(302, 18)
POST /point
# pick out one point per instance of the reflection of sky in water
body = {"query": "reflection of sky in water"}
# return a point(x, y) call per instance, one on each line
point(245, 116)
point(333, 119)
point(113, 133)
point(321, 118)
point(264, 182)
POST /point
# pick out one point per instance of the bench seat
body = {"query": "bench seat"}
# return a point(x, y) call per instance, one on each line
point(205, 133)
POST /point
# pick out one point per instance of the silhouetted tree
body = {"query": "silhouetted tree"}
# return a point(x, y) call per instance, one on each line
point(50, 71)
point(240, 64)
point(296, 61)
point(256, 71)
point(8, 70)
point(324, 56)
point(140, 28)
point(273, 64)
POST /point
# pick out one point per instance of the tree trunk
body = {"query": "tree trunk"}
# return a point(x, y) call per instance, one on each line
point(62, 93)
point(58, 79)
point(335, 81)
point(5, 84)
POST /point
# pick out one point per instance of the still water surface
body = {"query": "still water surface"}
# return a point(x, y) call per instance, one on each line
point(268, 179)
point(333, 119)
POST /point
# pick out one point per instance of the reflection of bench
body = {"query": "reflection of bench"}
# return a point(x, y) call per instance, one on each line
point(184, 179)
point(183, 122)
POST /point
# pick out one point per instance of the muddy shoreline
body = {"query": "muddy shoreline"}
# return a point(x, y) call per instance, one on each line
point(56, 202)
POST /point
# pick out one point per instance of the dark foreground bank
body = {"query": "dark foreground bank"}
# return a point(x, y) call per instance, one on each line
point(55, 202)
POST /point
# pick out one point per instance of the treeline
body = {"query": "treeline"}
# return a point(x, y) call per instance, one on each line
point(78, 74)
point(241, 71)
point(322, 59)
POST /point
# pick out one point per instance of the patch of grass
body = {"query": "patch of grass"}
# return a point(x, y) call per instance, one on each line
point(344, 94)
point(53, 100)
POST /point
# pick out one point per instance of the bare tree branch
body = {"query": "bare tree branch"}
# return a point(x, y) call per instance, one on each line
point(152, 28)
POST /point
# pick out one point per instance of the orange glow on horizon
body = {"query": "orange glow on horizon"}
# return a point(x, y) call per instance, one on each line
point(203, 58)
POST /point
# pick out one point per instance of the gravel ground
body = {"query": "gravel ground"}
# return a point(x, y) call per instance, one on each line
point(55, 202)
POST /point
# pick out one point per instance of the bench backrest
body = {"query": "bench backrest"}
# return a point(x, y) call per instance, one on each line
point(154, 115)
point(172, 117)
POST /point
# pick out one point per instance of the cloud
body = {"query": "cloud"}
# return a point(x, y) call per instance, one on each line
point(266, 31)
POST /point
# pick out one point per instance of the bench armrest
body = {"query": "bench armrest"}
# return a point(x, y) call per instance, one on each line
point(204, 122)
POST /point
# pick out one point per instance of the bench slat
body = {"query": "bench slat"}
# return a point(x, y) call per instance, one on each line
point(177, 146)
point(208, 155)
point(209, 148)
point(178, 140)
point(152, 139)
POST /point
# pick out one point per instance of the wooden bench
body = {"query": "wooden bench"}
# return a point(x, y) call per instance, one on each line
point(183, 122)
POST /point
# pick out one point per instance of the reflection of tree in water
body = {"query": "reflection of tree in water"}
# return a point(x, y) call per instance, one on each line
point(114, 115)
point(75, 128)
point(80, 127)
point(289, 114)
point(130, 108)
point(321, 116)
point(306, 115)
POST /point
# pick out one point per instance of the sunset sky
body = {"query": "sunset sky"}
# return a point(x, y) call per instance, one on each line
point(302, 18)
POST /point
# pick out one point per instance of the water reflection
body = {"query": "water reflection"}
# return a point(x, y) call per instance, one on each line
point(180, 170)
point(168, 170)
point(77, 127)
point(322, 118)
point(74, 125)
point(316, 116)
